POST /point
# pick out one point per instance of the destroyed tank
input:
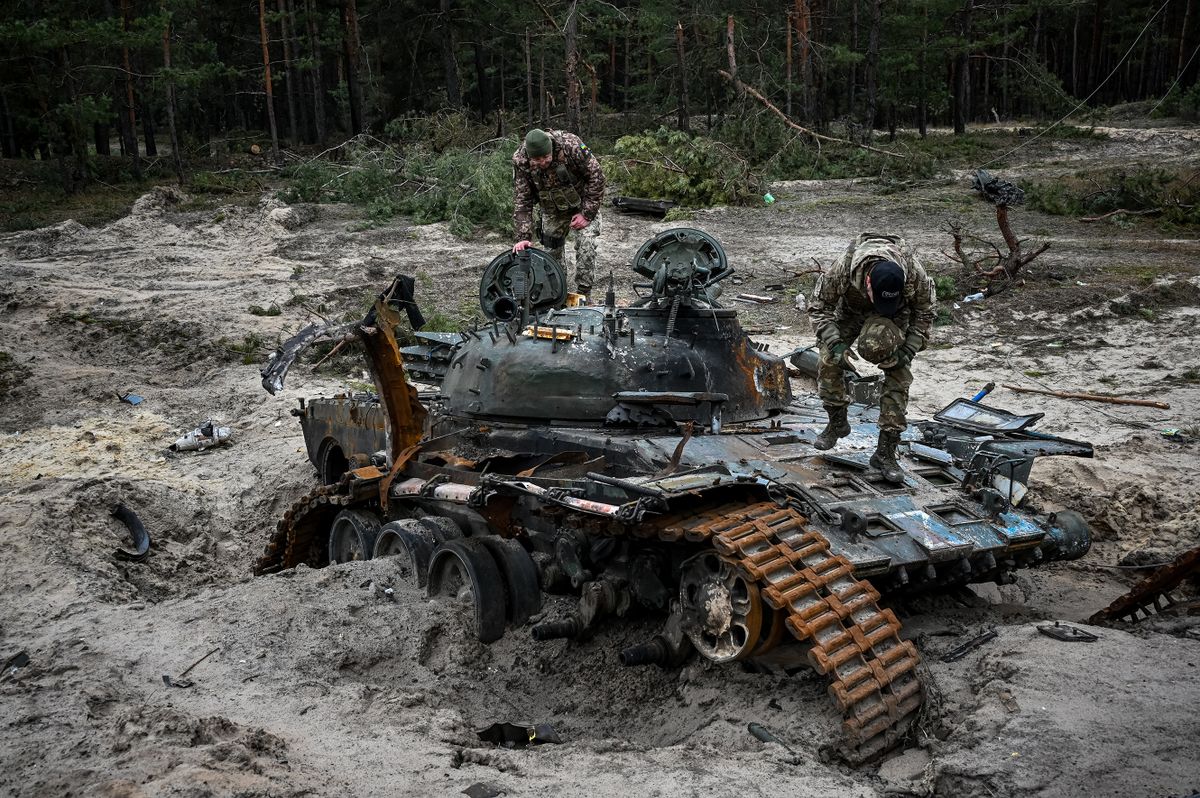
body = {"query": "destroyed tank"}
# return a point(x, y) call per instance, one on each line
point(653, 459)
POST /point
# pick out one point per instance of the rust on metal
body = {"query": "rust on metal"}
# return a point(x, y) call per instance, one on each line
point(406, 415)
point(1152, 592)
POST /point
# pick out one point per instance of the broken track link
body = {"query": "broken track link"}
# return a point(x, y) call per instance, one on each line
point(872, 673)
point(1153, 591)
point(297, 535)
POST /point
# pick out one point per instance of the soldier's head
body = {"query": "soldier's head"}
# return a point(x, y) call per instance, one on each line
point(885, 286)
point(539, 147)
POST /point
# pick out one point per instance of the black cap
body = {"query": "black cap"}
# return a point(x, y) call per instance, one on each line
point(887, 287)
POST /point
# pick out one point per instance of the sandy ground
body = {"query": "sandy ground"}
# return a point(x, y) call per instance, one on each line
point(323, 683)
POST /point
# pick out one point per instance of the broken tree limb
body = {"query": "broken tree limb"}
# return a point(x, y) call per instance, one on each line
point(1104, 216)
point(753, 92)
point(1092, 397)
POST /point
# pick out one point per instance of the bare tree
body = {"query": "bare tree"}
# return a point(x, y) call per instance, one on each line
point(266, 54)
point(571, 67)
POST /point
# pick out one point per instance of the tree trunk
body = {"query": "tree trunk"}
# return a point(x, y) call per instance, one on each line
point(318, 85)
point(75, 135)
point(148, 132)
point(804, 39)
point(852, 70)
point(350, 44)
point(449, 61)
point(543, 100)
point(787, 71)
point(528, 81)
point(484, 96)
point(131, 146)
point(176, 154)
point(100, 137)
point(1183, 31)
point(295, 73)
point(685, 123)
point(730, 53)
point(1095, 54)
point(872, 67)
point(8, 138)
point(288, 74)
point(612, 71)
point(625, 83)
point(266, 56)
point(571, 66)
point(922, 80)
point(962, 72)
point(500, 114)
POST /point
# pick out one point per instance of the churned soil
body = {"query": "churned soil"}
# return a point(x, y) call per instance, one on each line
point(348, 681)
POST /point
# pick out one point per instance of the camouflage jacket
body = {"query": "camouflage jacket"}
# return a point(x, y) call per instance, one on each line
point(841, 293)
point(573, 183)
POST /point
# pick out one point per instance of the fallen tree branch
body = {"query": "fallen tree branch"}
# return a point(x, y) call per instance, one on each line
point(746, 88)
point(1103, 216)
point(1092, 397)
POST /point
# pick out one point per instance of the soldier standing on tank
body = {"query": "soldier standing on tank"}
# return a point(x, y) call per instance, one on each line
point(556, 171)
point(879, 295)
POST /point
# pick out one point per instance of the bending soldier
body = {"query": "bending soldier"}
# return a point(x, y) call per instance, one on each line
point(879, 295)
point(556, 171)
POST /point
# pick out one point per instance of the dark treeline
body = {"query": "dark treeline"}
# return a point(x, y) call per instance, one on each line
point(85, 77)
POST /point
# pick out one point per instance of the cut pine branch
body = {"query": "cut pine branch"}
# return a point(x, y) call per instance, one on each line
point(1092, 397)
point(744, 88)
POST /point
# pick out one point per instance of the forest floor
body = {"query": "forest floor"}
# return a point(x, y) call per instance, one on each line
point(324, 684)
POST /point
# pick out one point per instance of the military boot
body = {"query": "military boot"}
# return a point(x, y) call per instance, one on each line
point(884, 458)
point(837, 427)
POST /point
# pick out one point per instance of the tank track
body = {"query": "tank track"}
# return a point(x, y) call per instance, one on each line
point(872, 673)
point(297, 534)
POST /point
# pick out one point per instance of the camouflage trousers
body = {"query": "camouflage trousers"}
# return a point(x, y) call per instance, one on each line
point(831, 384)
point(557, 226)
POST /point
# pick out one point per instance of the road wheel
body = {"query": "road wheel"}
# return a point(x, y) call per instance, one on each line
point(352, 536)
point(442, 529)
point(411, 544)
point(520, 577)
point(463, 569)
point(331, 462)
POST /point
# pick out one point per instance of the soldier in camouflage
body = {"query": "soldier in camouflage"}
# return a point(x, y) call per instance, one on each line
point(879, 295)
point(557, 172)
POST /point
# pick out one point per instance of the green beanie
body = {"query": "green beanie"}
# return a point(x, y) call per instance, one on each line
point(538, 143)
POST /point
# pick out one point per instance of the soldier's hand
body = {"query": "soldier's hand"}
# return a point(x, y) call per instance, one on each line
point(904, 356)
point(521, 246)
point(838, 352)
point(579, 221)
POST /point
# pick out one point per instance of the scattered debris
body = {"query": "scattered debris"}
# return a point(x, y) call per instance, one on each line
point(1153, 591)
point(130, 398)
point(18, 660)
point(141, 538)
point(205, 436)
point(1068, 634)
point(755, 299)
point(800, 303)
point(1091, 397)
point(481, 789)
point(995, 190)
point(647, 207)
point(519, 735)
point(764, 734)
point(991, 386)
point(181, 682)
point(958, 653)
point(976, 297)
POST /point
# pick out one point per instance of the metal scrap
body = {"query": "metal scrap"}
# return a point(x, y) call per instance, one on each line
point(205, 436)
point(959, 652)
point(519, 735)
point(181, 682)
point(1066, 633)
point(141, 538)
point(1153, 591)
